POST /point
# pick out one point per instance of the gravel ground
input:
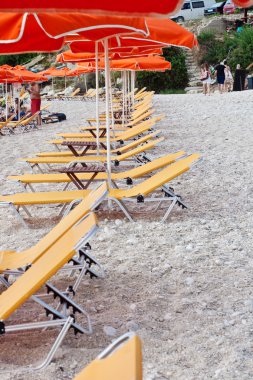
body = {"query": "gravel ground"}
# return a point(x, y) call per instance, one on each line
point(184, 286)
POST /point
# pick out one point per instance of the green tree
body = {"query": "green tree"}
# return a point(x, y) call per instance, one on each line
point(176, 78)
point(17, 59)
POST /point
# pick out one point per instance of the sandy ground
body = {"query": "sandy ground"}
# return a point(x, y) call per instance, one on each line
point(184, 286)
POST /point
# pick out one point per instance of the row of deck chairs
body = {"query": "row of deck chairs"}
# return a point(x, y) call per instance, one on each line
point(75, 95)
point(25, 124)
point(130, 146)
point(66, 247)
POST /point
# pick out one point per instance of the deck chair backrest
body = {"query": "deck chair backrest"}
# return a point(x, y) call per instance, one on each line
point(90, 202)
point(162, 177)
point(122, 360)
point(4, 123)
point(140, 149)
point(74, 93)
point(138, 129)
point(45, 267)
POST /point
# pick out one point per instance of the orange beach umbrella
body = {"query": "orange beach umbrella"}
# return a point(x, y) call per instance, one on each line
point(244, 3)
point(130, 7)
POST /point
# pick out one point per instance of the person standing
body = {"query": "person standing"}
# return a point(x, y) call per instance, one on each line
point(240, 75)
point(220, 74)
point(205, 77)
point(228, 78)
point(35, 100)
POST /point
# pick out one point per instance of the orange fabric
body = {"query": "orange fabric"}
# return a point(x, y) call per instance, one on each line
point(129, 7)
point(152, 63)
point(27, 76)
point(53, 72)
point(5, 75)
point(162, 33)
point(34, 39)
point(244, 3)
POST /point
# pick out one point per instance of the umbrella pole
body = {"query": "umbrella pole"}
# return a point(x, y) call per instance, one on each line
point(133, 85)
point(107, 104)
point(123, 99)
point(97, 96)
point(112, 115)
point(85, 83)
point(6, 100)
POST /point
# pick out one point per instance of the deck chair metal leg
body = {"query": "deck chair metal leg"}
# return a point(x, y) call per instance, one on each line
point(15, 211)
point(123, 208)
point(173, 203)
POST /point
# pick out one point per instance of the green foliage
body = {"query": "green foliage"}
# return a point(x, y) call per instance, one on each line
point(176, 78)
point(235, 47)
point(17, 59)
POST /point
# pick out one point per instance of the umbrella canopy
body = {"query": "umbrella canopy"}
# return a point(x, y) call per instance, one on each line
point(162, 33)
point(244, 3)
point(68, 56)
point(53, 72)
point(152, 63)
point(130, 7)
point(6, 75)
point(15, 29)
point(24, 75)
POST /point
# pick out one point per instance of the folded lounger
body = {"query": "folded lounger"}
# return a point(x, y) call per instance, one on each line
point(136, 193)
point(129, 155)
point(129, 175)
point(122, 360)
point(38, 275)
point(10, 260)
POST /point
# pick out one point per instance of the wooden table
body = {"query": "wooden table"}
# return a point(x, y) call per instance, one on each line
point(81, 144)
point(85, 168)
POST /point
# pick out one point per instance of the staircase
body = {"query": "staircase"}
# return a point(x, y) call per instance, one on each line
point(193, 69)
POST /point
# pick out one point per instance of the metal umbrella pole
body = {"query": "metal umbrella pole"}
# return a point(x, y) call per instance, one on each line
point(97, 96)
point(107, 106)
point(6, 100)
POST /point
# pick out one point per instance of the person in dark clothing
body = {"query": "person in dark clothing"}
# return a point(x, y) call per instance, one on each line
point(239, 80)
point(220, 74)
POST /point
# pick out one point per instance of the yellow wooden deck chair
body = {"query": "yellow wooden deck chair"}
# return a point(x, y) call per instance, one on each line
point(4, 124)
point(25, 123)
point(130, 133)
point(13, 260)
point(129, 175)
point(131, 155)
point(128, 124)
point(159, 180)
point(38, 275)
point(118, 151)
point(122, 360)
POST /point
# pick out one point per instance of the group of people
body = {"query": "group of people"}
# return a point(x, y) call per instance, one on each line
point(19, 110)
point(222, 74)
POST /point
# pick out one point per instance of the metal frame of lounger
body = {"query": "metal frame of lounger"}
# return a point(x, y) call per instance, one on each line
point(61, 318)
point(63, 212)
point(132, 155)
point(168, 196)
point(126, 176)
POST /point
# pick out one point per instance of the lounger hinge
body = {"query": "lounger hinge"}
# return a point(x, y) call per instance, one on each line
point(64, 299)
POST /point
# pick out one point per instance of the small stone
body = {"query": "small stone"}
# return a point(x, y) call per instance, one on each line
point(189, 281)
point(188, 247)
point(118, 222)
point(132, 326)
point(132, 307)
point(110, 331)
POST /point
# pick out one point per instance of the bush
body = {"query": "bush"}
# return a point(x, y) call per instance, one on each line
point(235, 47)
point(176, 78)
point(17, 59)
